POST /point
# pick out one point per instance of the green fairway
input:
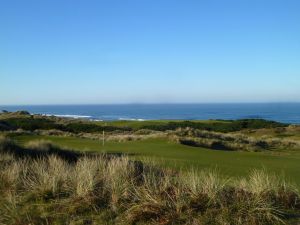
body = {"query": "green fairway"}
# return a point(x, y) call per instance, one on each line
point(180, 156)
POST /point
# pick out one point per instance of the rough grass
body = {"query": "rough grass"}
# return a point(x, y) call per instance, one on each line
point(174, 155)
point(185, 136)
point(232, 141)
point(96, 189)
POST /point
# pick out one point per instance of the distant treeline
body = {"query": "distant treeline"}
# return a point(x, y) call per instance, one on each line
point(32, 123)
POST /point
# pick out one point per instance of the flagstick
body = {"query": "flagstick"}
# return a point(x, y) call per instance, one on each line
point(103, 138)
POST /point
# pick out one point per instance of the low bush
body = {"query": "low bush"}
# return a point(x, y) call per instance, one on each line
point(30, 123)
point(218, 126)
point(78, 127)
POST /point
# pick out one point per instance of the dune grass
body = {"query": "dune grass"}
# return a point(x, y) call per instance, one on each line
point(178, 156)
point(96, 189)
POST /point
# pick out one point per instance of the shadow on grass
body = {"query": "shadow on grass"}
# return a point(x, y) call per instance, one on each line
point(41, 148)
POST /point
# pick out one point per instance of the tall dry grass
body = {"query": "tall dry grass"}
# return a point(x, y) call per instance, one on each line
point(116, 190)
point(230, 141)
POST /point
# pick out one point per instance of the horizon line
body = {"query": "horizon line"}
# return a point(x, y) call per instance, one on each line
point(150, 103)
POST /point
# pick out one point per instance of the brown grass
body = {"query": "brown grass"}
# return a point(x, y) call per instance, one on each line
point(115, 190)
point(231, 141)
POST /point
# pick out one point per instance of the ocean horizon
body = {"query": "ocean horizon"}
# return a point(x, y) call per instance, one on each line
point(281, 112)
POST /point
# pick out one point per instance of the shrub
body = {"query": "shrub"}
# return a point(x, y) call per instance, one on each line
point(31, 123)
point(218, 126)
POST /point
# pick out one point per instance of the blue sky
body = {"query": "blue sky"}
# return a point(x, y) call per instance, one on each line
point(149, 51)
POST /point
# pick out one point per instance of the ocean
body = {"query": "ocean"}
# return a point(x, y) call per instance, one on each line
point(281, 112)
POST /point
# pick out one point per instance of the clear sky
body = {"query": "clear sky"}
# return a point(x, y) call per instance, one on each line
point(149, 51)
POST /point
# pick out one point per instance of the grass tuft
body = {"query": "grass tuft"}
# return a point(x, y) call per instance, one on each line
point(94, 189)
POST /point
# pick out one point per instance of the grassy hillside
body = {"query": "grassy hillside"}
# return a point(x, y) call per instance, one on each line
point(41, 183)
point(278, 143)
point(180, 156)
point(148, 172)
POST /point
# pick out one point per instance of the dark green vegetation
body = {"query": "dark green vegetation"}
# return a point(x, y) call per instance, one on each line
point(13, 121)
point(180, 150)
point(218, 126)
point(43, 184)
